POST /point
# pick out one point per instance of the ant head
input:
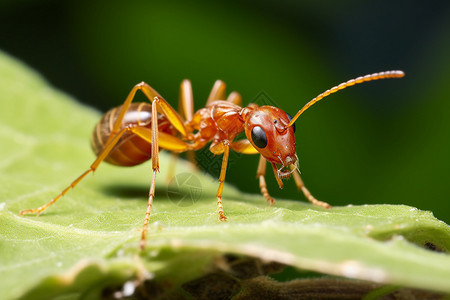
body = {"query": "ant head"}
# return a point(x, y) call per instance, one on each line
point(271, 131)
point(266, 128)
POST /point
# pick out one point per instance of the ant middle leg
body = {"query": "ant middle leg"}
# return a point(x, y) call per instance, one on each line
point(219, 148)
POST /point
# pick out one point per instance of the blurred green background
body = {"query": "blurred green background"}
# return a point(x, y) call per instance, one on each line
point(381, 142)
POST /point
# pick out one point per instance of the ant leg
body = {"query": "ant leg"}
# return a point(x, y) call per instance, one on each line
point(277, 177)
point(155, 168)
point(150, 93)
point(167, 142)
point(217, 92)
point(244, 146)
point(223, 171)
point(306, 192)
point(241, 146)
point(170, 143)
point(260, 173)
point(171, 168)
point(163, 105)
point(115, 135)
point(235, 98)
point(186, 100)
point(108, 147)
point(186, 108)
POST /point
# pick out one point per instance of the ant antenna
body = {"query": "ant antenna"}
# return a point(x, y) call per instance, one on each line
point(361, 79)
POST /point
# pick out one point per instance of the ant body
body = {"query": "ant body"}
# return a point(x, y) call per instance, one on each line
point(131, 134)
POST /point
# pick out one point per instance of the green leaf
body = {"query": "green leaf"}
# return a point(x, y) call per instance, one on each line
point(86, 245)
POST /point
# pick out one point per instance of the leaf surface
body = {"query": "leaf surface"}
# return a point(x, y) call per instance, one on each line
point(88, 241)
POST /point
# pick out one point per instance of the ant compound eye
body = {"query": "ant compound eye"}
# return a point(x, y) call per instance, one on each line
point(290, 118)
point(259, 137)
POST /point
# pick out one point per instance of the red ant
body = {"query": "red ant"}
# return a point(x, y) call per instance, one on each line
point(128, 135)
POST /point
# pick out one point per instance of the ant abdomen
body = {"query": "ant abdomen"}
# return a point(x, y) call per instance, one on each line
point(131, 149)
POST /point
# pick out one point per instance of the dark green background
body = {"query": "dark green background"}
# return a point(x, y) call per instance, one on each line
point(381, 142)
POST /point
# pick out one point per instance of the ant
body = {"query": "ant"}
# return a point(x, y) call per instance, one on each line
point(132, 133)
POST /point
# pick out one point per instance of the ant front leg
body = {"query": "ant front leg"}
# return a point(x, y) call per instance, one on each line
point(260, 173)
point(245, 147)
point(301, 187)
point(241, 146)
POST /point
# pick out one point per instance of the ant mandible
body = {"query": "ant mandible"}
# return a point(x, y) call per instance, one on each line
point(129, 135)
